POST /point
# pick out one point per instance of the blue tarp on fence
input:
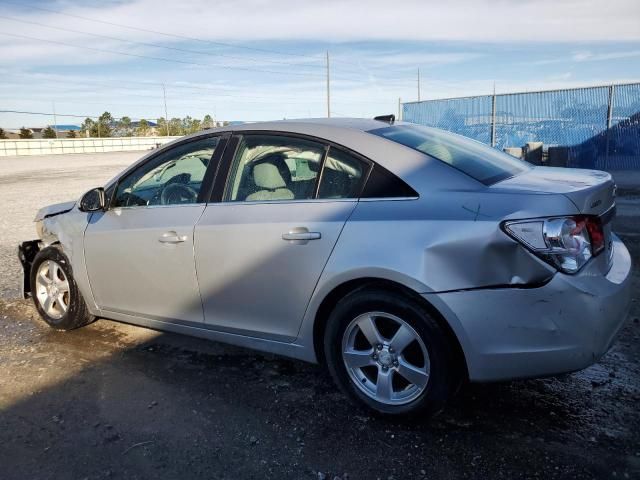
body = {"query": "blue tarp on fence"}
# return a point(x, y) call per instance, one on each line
point(600, 125)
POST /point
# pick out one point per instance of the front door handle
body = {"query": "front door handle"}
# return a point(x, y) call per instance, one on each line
point(300, 235)
point(172, 237)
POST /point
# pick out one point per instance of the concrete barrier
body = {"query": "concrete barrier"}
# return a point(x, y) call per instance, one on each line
point(79, 145)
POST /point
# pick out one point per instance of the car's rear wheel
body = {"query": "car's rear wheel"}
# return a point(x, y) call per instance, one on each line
point(385, 350)
point(55, 293)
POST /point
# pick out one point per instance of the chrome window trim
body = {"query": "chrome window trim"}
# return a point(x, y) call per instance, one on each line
point(388, 199)
point(146, 207)
point(280, 202)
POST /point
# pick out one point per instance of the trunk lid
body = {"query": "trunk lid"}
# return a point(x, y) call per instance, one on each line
point(592, 191)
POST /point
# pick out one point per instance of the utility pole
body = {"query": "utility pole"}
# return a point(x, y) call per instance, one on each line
point(418, 84)
point(166, 116)
point(399, 108)
point(328, 89)
point(55, 121)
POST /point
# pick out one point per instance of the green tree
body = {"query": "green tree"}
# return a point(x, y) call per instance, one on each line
point(25, 133)
point(48, 132)
point(143, 128)
point(196, 126)
point(190, 125)
point(163, 127)
point(104, 125)
point(207, 122)
point(175, 127)
point(72, 134)
point(124, 127)
point(3, 135)
point(87, 127)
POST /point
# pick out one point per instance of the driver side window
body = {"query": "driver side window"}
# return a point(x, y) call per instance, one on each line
point(172, 178)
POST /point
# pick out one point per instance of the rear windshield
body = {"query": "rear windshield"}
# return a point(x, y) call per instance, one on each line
point(476, 159)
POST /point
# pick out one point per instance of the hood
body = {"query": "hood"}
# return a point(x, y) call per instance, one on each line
point(592, 191)
point(55, 209)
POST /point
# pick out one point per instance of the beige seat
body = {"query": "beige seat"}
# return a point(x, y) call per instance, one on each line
point(268, 179)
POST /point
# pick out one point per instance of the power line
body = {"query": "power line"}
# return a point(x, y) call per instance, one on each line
point(195, 39)
point(155, 32)
point(272, 99)
point(156, 45)
point(162, 59)
point(49, 114)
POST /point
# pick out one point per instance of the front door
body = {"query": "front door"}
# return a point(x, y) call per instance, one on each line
point(261, 250)
point(139, 253)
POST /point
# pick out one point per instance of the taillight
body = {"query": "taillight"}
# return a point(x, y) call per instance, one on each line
point(596, 232)
point(565, 242)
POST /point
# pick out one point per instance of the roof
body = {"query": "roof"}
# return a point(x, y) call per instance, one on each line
point(362, 124)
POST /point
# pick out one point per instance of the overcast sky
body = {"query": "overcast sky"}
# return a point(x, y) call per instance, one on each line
point(265, 59)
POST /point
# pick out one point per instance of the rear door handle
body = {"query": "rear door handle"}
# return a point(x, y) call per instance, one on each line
point(172, 237)
point(301, 235)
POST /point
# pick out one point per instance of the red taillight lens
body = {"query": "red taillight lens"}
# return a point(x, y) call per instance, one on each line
point(596, 234)
point(566, 242)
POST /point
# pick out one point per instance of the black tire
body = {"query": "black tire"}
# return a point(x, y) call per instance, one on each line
point(443, 375)
point(77, 314)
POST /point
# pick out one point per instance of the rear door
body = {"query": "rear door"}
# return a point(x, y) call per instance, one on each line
point(139, 253)
point(262, 244)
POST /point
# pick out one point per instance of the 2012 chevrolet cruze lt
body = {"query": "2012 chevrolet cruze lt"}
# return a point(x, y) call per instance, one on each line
point(404, 258)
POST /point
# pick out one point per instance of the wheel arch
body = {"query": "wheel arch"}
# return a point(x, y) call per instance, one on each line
point(349, 286)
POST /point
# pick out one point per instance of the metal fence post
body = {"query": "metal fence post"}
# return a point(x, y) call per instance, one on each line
point(493, 119)
point(609, 121)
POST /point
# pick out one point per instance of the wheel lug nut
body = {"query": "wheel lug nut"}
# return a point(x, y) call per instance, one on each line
point(374, 356)
point(390, 350)
point(379, 346)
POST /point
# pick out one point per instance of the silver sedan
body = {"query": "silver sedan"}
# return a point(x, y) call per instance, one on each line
point(405, 258)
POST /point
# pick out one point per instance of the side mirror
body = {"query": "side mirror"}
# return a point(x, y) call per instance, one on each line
point(93, 200)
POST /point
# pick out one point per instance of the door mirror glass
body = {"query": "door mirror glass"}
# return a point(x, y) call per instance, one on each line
point(93, 200)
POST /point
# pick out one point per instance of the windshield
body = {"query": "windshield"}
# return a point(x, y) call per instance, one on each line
point(476, 159)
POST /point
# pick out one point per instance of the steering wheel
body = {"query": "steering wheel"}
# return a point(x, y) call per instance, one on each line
point(175, 193)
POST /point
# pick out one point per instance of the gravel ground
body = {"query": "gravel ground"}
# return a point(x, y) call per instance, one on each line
point(117, 401)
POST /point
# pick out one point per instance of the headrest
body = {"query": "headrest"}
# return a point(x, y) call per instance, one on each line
point(267, 176)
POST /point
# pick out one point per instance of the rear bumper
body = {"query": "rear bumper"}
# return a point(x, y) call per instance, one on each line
point(563, 326)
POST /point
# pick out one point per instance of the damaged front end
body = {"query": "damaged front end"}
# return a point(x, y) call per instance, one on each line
point(28, 250)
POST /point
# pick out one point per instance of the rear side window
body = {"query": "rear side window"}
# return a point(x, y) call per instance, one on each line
point(342, 175)
point(384, 184)
point(274, 168)
point(485, 164)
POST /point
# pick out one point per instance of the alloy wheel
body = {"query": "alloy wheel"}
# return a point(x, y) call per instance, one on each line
point(52, 289)
point(385, 358)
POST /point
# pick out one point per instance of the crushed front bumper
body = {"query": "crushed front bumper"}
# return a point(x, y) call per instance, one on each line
point(26, 253)
point(563, 326)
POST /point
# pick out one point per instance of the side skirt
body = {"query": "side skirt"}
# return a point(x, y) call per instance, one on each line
point(291, 350)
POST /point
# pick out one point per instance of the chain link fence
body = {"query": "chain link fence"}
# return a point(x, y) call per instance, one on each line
point(599, 127)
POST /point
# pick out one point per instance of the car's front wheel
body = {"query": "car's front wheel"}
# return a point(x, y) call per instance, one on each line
point(384, 349)
point(55, 293)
